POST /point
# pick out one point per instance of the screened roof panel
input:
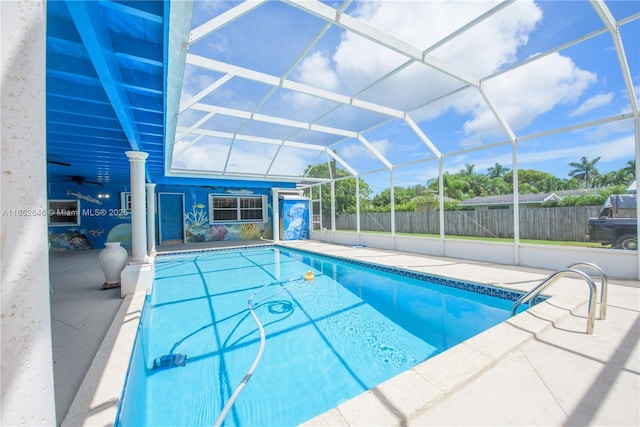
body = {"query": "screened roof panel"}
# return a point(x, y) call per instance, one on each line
point(268, 130)
point(491, 43)
point(238, 93)
point(292, 161)
point(418, 174)
point(561, 89)
point(295, 105)
point(268, 39)
point(397, 142)
point(411, 87)
point(222, 123)
point(352, 118)
point(623, 9)
point(418, 23)
point(208, 154)
point(359, 156)
point(612, 142)
point(414, 80)
point(245, 153)
point(316, 138)
point(460, 121)
point(196, 80)
point(353, 64)
point(631, 41)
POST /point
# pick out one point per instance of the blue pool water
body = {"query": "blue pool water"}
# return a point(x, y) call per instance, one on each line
point(327, 340)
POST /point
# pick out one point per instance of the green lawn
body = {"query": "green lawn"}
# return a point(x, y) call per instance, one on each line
point(493, 239)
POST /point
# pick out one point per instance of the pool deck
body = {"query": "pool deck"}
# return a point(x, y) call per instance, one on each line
point(538, 368)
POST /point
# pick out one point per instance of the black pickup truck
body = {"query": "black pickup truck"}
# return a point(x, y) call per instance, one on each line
point(617, 223)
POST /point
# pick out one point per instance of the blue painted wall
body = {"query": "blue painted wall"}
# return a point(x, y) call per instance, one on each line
point(102, 218)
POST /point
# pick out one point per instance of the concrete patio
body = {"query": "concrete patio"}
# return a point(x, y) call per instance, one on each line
point(539, 368)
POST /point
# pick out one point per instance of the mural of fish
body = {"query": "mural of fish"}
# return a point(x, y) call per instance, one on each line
point(84, 197)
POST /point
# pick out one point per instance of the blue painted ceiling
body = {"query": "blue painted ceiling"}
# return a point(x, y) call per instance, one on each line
point(105, 88)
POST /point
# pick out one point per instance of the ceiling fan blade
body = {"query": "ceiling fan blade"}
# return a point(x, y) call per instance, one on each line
point(55, 162)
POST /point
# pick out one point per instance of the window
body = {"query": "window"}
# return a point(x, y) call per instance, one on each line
point(229, 208)
point(64, 212)
point(125, 201)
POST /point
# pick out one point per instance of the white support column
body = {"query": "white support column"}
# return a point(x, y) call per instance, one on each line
point(276, 214)
point(138, 222)
point(27, 386)
point(358, 208)
point(151, 218)
point(333, 205)
point(392, 194)
point(516, 205)
point(441, 203)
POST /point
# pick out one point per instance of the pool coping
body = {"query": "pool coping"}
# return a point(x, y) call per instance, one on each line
point(392, 402)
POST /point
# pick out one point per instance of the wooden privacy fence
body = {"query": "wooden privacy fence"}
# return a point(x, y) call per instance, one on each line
point(562, 224)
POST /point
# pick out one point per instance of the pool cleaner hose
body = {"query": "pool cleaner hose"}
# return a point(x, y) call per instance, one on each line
point(253, 367)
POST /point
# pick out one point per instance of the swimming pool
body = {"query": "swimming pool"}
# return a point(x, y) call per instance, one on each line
point(328, 339)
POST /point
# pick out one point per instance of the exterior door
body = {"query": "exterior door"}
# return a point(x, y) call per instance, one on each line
point(170, 217)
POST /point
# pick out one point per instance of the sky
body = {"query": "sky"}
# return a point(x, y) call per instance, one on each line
point(561, 89)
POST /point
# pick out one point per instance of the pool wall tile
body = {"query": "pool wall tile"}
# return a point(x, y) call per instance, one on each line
point(483, 289)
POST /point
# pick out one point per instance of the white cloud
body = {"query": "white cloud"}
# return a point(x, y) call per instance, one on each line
point(520, 95)
point(210, 154)
point(357, 150)
point(204, 155)
point(591, 104)
point(526, 92)
point(610, 151)
point(316, 70)
point(381, 145)
point(479, 51)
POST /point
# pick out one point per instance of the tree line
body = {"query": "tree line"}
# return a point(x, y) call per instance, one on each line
point(467, 183)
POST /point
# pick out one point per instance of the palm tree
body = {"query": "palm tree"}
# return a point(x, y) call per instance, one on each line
point(584, 170)
point(629, 170)
point(497, 171)
point(468, 169)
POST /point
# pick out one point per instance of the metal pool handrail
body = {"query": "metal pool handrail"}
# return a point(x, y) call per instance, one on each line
point(550, 281)
point(604, 285)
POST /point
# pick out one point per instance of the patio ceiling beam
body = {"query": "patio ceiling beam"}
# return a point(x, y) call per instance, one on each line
point(211, 64)
point(469, 25)
point(185, 147)
point(196, 125)
point(274, 120)
point(341, 161)
point(207, 174)
point(95, 36)
point(363, 29)
point(506, 128)
point(609, 21)
point(223, 19)
point(204, 92)
point(441, 42)
point(259, 139)
point(416, 129)
point(374, 151)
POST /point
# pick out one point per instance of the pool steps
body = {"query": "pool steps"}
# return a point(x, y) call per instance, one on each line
point(554, 277)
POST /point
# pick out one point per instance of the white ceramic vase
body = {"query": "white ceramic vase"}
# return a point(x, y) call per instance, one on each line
point(113, 258)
